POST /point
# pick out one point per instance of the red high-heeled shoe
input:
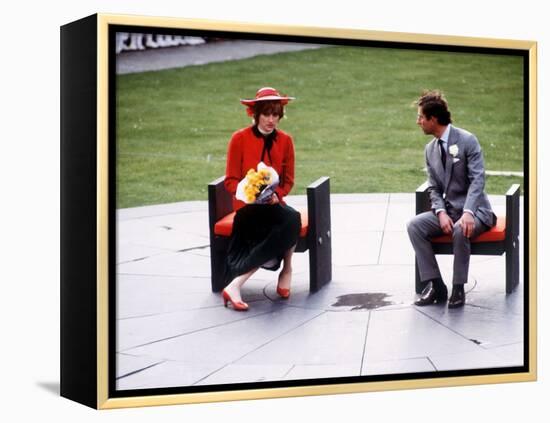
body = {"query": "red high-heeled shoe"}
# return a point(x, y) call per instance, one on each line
point(237, 305)
point(284, 293)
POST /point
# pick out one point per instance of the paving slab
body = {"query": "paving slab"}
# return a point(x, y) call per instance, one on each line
point(412, 335)
point(238, 373)
point(227, 343)
point(128, 251)
point(341, 344)
point(478, 359)
point(160, 210)
point(400, 211)
point(166, 374)
point(388, 367)
point(144, 295)
point(147, 330)
point(181, 264)
point(394, 248)
point(358, 217)
point(128, 364)
point(316, 371)
point(356, 248)
point(192, 222)
point(512, 354)
point(161, 236)
point(483, 326)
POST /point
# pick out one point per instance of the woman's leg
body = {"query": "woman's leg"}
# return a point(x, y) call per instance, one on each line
point(285, 277)
point(234, 287)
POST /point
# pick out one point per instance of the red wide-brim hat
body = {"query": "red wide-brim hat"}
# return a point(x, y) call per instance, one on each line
point(267, 94)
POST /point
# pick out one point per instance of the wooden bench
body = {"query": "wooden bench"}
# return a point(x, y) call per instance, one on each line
point(315, 235)
point(500, 239)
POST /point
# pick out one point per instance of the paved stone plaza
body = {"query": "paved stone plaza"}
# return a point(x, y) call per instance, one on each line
point(172, 330)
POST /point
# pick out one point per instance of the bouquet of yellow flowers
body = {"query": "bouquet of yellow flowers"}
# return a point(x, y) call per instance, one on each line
point(258, 186)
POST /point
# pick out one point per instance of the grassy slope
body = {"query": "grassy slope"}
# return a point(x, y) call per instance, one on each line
point(353, 119)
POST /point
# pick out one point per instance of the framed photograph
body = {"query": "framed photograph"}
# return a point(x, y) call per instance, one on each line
point(370, 138)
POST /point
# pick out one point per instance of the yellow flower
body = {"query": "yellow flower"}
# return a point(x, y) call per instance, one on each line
point(255, 183)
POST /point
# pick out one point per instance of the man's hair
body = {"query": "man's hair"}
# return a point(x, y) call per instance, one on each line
point(433, 103)
point(267, 108)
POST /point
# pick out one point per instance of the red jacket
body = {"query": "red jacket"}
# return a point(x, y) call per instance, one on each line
point(244, 153)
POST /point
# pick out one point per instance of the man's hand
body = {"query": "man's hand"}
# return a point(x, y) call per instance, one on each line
point(466, 222)
point(445, 222)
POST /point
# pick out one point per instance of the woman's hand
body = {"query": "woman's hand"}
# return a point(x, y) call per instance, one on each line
point(274, 199)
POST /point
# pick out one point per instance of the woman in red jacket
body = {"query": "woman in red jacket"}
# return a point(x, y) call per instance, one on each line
point(263, 234)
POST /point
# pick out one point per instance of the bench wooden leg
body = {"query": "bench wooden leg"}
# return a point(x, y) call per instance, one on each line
point(319, 234)
point(512, 238)
point(217, 266)
point(512, 266)
point(320, 263)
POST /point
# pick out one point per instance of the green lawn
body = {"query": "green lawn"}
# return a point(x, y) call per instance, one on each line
point(353, 119)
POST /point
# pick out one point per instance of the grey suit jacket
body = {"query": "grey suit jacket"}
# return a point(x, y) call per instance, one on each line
point(461, 184)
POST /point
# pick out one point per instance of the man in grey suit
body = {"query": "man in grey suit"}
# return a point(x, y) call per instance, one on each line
point(456, 179)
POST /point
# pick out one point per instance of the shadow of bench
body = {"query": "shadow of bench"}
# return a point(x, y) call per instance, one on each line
point(503, 238)
point(315, 235)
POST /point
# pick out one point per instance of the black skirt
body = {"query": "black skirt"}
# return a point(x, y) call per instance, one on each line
point(261, 233)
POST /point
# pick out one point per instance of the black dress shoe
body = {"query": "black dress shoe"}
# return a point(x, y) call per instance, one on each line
point(458, 297)
point(432, 294)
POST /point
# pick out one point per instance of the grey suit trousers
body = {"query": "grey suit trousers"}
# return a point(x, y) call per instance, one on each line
point(425, 226)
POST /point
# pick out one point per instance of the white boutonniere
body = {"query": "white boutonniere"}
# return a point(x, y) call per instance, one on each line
point(453, 149)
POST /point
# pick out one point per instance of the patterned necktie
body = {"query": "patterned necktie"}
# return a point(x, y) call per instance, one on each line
point(443, 153)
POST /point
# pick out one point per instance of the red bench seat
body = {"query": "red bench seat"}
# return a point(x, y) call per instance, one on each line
point(495, 234)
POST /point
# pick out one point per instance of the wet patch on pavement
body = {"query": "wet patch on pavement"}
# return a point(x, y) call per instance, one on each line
point(364, 301)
